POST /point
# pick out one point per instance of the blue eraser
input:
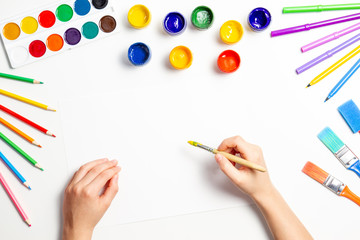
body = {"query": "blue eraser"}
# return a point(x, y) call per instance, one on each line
point(351, 114)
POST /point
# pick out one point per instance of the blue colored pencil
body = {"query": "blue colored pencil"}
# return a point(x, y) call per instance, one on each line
point(345, 78)
point(13, 169)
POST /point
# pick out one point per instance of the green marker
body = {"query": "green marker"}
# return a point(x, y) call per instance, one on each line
point(23, 79)
point(319, 8)
point(20, 151)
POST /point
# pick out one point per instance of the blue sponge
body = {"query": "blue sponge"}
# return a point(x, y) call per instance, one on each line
point(351, 114)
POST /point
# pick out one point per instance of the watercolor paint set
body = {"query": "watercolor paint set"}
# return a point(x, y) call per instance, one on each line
point(50, 30)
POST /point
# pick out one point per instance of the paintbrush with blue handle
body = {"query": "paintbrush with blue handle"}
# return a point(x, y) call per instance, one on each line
point(340, 150)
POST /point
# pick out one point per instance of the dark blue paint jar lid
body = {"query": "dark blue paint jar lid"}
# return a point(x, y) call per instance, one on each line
point(139, 54)
point(174, 23)
point(259, 19)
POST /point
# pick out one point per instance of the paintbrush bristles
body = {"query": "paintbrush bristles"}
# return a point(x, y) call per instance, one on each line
point(315, 172)
point(330, 140)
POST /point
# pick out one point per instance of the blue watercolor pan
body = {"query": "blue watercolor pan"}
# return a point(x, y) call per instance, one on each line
point(139, 54)
point(174, 23)
point(259, 19)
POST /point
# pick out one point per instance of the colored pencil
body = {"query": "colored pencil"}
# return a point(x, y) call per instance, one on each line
point(335, 66)
point(330, 182)
point(19, 132)
point(327, 54)
point(307, 27)
point(319, 8)
point(330, 37)
point(14, 170)
point(23, 79)
point(343, 80)
point(20, 151)
point(27, 121)
point(26, 100)
point(14, 200)
point(229, 156)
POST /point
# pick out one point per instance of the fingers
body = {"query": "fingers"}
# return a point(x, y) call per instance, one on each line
point(96, 171)
point(111, 190)
point(84, 169)
point(237, 143)
point(100, 181)
point(226, 166)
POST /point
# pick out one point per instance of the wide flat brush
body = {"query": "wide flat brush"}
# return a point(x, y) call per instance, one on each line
point(330, 182)
point(229, 156)
point(342, 152)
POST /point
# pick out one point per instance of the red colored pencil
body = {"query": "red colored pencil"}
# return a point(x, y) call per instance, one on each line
point(25, 120)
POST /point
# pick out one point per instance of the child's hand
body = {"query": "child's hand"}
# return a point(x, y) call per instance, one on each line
point(252, 182)
point(83, 206)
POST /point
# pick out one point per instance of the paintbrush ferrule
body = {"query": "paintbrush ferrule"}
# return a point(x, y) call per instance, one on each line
point(205, 147)
point(346, 156)
point(334, 184)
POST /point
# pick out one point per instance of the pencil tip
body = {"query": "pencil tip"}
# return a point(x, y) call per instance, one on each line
point(28, 222)
point(53, 135)
point(51, 109)
point(41, 169)
point(41, 83)
point(309, 85)
point(326, 99)
point(29, 188)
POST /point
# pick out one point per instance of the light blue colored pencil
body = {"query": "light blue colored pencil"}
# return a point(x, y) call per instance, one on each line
point(14, 170)
point(345, 78)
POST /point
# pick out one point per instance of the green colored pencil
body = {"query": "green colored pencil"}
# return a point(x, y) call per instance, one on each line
point(23, 79)
point(319, 8)
point(20, 151)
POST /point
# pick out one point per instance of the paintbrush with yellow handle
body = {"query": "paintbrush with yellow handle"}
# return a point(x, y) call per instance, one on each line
point(229, 156)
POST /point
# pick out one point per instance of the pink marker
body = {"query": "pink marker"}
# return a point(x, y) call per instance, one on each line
point(14, 200)
point(330, 37)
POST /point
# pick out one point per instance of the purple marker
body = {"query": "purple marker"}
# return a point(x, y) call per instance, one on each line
point(330, 37)
point(307, 27)
point(327, 54)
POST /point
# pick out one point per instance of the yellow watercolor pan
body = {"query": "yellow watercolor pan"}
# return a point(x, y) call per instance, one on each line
point(139, 16)
point(231, 32)
point(181, 57)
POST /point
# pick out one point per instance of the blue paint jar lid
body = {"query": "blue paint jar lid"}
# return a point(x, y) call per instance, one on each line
point(174, 23)
point(259, 19)
point(139, 54)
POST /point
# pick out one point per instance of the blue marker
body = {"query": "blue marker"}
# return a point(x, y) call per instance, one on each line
point(345, 78)
point(13, 169)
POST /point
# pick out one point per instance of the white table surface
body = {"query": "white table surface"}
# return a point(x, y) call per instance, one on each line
point(325, 215)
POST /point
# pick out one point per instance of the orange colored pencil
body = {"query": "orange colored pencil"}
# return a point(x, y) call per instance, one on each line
point(19, 132)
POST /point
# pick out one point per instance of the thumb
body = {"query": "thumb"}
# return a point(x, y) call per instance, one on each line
point(112, 189)
point(227, 167)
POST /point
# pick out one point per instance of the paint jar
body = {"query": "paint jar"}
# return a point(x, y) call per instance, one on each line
point(259, 19)
point(139, 54)
point(231, 32)
point(139, 16)
point(202, 18)
point(181, 57)
point(174, 23)
point(228, 61)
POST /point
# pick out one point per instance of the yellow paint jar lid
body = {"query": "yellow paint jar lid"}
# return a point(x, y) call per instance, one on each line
point(139, 16)
point(231, 32)
point(29, 25)
point(181, 57)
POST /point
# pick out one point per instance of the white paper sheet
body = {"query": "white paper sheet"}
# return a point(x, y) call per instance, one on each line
point(147, 131)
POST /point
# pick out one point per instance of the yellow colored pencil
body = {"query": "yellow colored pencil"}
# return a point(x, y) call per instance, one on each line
point(19, 132)
point(229, 156)
point(26, 100)
point(335, 66)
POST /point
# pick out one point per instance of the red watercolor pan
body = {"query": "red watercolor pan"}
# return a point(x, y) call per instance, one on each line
point(228, 61)
point(46, 19)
